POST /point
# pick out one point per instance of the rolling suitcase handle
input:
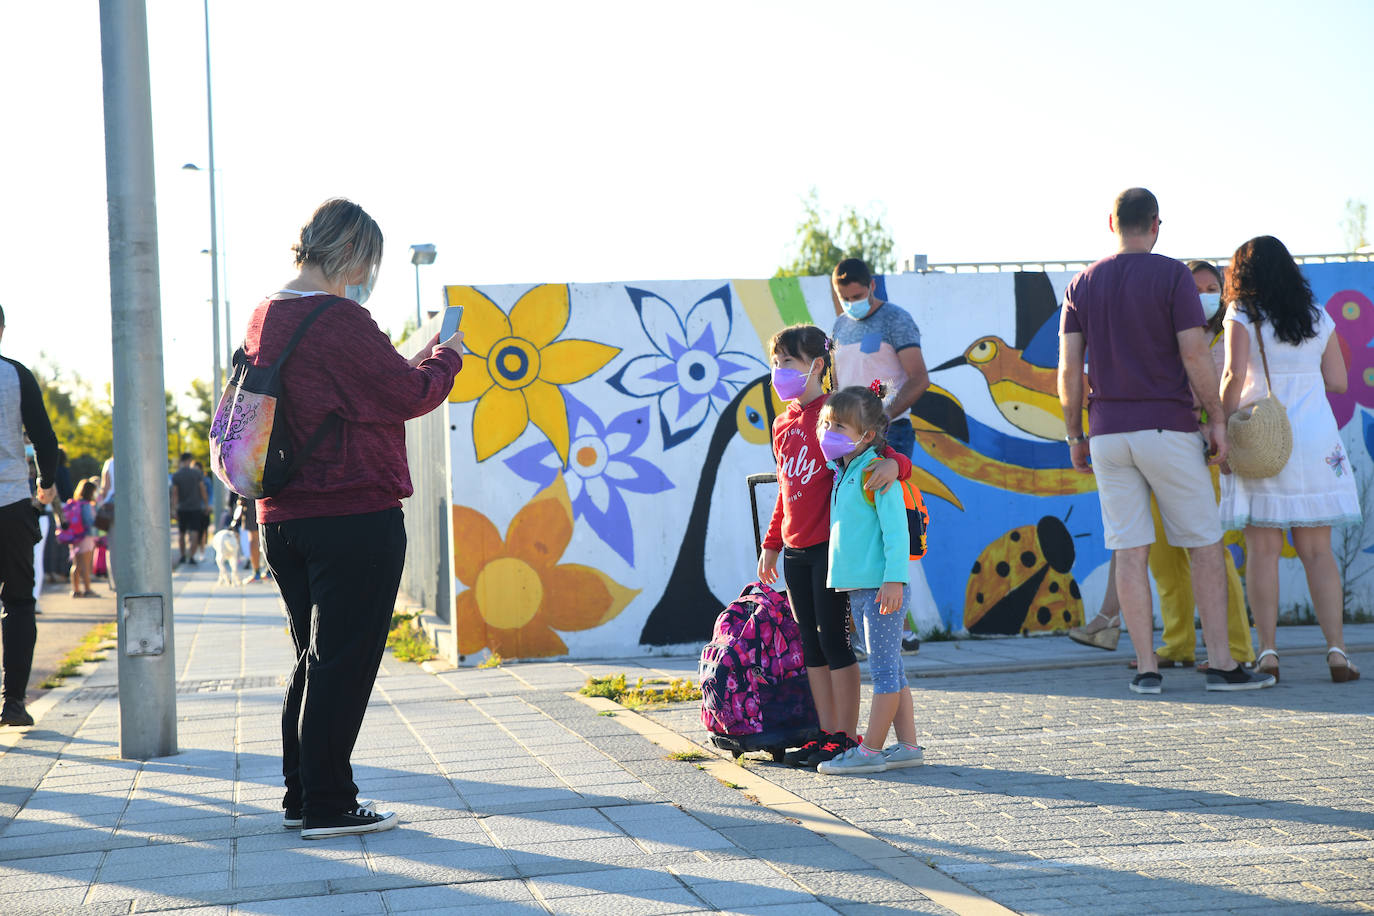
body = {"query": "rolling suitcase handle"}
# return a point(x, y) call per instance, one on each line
point(754, 480)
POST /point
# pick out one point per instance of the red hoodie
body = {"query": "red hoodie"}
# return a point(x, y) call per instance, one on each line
point(801, 516)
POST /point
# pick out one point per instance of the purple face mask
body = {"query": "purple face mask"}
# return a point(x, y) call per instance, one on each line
point(789, 383)
point(835, 446)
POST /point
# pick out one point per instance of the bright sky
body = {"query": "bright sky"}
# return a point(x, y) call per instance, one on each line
point(554, 141)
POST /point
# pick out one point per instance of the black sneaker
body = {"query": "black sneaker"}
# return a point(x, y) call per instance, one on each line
point(911, 643)
point(14, 713)
point(1238, 679)
point(1149, 682)
point(292, 819)
point(833, 746)
point(798, 757)
point(359, 820)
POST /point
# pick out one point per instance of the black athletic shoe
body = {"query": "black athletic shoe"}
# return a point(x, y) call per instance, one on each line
point(1238, 679)
point(833, 746)
point(798, 757)
point(14, 713)
point(359, 820)
point(1149, 682)
point(292, 820)
point(911, 643)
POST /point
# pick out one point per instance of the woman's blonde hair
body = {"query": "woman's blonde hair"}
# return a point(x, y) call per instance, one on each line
point(340, 239)
point(860, 408)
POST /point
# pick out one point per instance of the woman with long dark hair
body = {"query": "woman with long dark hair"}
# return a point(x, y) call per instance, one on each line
point(1267, 295)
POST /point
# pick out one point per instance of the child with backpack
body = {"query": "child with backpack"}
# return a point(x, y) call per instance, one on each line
point(800, 531)
point(78, 533)
point(870, 545)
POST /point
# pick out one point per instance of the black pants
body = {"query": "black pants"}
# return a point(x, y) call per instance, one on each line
point(339, 578)
point(19, 531)
point(822, 613)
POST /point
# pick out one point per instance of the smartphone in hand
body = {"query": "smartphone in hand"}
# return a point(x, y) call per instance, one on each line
point(453, 317)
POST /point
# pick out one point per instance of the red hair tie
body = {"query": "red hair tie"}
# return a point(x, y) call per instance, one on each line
point(876, 387)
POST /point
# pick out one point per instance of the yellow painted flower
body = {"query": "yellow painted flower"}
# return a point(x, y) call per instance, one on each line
point(515, 366)
point(518, 593)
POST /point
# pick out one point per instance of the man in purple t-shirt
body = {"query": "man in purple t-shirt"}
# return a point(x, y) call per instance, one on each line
point(1139, 317)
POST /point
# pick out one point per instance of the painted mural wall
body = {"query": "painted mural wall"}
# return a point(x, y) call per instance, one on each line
point(602, 434)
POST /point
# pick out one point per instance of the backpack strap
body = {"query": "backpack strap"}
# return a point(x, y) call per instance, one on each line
point(303, 327)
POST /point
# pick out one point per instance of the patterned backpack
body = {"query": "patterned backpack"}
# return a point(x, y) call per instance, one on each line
point(753, 679)
point(73, 527)
point(250, 448)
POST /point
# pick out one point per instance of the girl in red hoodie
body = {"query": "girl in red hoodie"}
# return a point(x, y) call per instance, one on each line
point(800, 532)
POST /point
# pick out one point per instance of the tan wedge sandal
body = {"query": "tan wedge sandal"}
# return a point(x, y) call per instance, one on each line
point(1262, 668)
point(1101, 632)
point(1344, 672)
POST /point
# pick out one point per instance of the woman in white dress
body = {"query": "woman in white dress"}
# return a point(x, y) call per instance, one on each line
point(1316, 488)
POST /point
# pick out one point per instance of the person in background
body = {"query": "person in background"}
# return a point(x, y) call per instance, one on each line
point(876, 340)
point(1139, 314)
point(1169, 564)
point(1269, 300)
point(335, 534)
point(56, 565)
point(188, 497)
point(82, 550)
point(21, 413)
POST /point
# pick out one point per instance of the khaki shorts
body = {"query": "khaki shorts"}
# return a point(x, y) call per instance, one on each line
point(1172, 465)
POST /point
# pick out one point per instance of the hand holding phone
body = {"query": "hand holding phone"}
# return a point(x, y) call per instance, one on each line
point(449, 335)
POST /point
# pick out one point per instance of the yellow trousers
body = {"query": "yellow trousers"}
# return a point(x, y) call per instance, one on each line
point(1173, 577)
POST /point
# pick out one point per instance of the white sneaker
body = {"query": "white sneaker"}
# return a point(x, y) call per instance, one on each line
point(853, 760)
point(898, 756)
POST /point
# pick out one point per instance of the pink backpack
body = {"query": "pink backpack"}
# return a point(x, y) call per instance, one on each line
point(753, 679)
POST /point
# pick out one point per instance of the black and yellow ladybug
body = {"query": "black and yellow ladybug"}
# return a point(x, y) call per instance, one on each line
point(1021, 582)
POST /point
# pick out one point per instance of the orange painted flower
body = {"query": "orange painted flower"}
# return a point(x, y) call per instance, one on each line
point(518, 593)
point(515, 366)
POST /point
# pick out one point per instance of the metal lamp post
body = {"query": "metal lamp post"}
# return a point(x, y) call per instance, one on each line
point(420, 254)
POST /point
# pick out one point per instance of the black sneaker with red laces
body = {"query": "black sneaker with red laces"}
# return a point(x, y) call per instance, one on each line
point(796, 758)
point(834, 745)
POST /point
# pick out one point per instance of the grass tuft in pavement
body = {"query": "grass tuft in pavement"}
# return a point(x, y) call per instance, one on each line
point(407, 641)
point(645, 692)
point(88, 650)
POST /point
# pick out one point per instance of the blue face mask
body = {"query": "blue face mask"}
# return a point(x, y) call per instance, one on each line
point(857, 310)
point(1211, 302)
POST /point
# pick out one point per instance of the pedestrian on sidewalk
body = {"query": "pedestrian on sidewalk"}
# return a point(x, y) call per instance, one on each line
point(190, 498)
point(1168, 564)
point(21, 413)
point(81, 550)
point(1271, 312)
point(870, 546)
point(1139, 316)
point(334, 535)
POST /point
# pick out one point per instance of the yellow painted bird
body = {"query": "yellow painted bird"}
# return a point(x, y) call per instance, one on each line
point(1026, 394)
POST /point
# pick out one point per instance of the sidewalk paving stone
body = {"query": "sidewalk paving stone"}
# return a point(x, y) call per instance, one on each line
point(1046, 790)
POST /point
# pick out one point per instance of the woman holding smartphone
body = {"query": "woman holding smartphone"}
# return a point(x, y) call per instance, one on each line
point(334, 535)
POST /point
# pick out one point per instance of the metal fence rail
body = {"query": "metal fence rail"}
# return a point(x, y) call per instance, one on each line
point(427, 577)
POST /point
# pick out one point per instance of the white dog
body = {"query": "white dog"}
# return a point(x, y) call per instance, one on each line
point(227, 556)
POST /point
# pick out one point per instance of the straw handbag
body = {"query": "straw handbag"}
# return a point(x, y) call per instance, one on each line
point(1260, 437)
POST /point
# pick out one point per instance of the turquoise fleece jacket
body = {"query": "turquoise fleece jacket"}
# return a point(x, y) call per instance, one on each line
point(869, 543)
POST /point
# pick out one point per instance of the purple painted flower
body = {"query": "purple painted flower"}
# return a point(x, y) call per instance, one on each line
point(601, 464)
point(691, 374)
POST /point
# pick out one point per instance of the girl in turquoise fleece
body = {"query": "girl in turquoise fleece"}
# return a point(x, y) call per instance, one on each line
point(869, 555)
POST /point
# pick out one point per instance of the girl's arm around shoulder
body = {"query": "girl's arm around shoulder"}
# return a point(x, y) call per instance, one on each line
point(891, 508)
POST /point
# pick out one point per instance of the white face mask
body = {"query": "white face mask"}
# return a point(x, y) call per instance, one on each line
point(361, 292)
point(1211, 302)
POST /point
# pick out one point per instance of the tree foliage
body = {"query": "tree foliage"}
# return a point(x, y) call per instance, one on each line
point(1353, 227)
point(83, 418)
point(822, 244)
